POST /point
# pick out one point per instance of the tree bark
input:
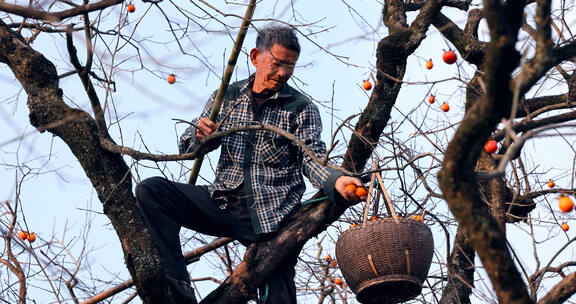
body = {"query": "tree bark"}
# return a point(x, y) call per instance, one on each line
point(461, 271)
point(561, 291)
point(108, 173)
point(457, 179)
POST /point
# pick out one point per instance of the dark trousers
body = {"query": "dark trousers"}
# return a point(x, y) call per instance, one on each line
point(167, 206)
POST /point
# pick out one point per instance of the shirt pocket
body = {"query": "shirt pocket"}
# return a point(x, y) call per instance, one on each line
point(275, 150)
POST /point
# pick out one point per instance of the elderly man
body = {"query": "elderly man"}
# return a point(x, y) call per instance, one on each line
point(259, 177)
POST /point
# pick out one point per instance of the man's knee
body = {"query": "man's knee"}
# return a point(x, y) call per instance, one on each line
point(144, 190)
point(151, 183)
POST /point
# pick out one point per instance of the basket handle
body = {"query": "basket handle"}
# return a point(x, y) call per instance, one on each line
point(369, 197)
point(387, 197)
point(390, 207)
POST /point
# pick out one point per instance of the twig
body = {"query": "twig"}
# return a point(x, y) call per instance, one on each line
point(189, 257)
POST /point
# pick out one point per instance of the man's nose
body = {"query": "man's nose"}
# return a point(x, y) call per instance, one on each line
point(281, 72)
point(285, 72)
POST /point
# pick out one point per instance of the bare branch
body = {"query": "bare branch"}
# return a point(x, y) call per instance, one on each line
point(36, 13)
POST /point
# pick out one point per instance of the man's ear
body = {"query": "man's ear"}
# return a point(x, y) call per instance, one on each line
point(254, 53)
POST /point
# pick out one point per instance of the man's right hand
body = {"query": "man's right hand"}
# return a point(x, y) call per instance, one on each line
point(205, 128)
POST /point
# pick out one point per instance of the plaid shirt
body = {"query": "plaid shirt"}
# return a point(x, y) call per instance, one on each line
point(268, 165)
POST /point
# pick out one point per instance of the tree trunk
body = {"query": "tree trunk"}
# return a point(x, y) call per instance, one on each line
point(457, 178)
point(107, 171)
point(461, 271)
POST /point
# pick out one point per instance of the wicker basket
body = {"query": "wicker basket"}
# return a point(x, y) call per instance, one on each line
point(384, 261)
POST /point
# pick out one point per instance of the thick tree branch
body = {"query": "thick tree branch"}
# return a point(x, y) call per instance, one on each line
point(530, 124)
point(462, 5)
point(561, 291)
point(543, 28)
point(39, 14)
point(543, 104)
point(537, 67)
point(84, 74)
point(466, 41)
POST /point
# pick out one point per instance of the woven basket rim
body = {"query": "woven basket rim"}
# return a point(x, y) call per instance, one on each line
point(402, 220)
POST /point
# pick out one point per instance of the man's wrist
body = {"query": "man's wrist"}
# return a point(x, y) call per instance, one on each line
point(329, 189)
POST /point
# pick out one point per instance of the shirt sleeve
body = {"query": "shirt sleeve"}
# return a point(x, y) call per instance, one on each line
point(188, 140)
point(309, 131)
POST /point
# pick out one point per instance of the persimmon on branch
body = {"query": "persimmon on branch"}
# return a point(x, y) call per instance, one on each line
point(514, 149)
point(466, 41)
point(12, 262)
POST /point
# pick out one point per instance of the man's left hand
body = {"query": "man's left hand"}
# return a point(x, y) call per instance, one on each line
point(340, 186)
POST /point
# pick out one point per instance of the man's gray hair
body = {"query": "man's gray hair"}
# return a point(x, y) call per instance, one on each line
point(282, 35)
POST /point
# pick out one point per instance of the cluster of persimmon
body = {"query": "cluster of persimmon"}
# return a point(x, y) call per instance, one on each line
point(418, 217)
point(448, 57)
point(24, 235)
point(444, 107)
point(565, 204)
point(339, 282)
point(330, 261)
point(359, 191)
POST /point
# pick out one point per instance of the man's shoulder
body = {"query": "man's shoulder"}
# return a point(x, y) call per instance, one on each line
point(294, 99)
point(235, 89)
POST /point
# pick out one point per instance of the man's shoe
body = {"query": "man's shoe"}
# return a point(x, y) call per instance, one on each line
point(182, 291)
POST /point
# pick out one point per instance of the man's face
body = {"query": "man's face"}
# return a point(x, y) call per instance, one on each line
point(273, 68)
